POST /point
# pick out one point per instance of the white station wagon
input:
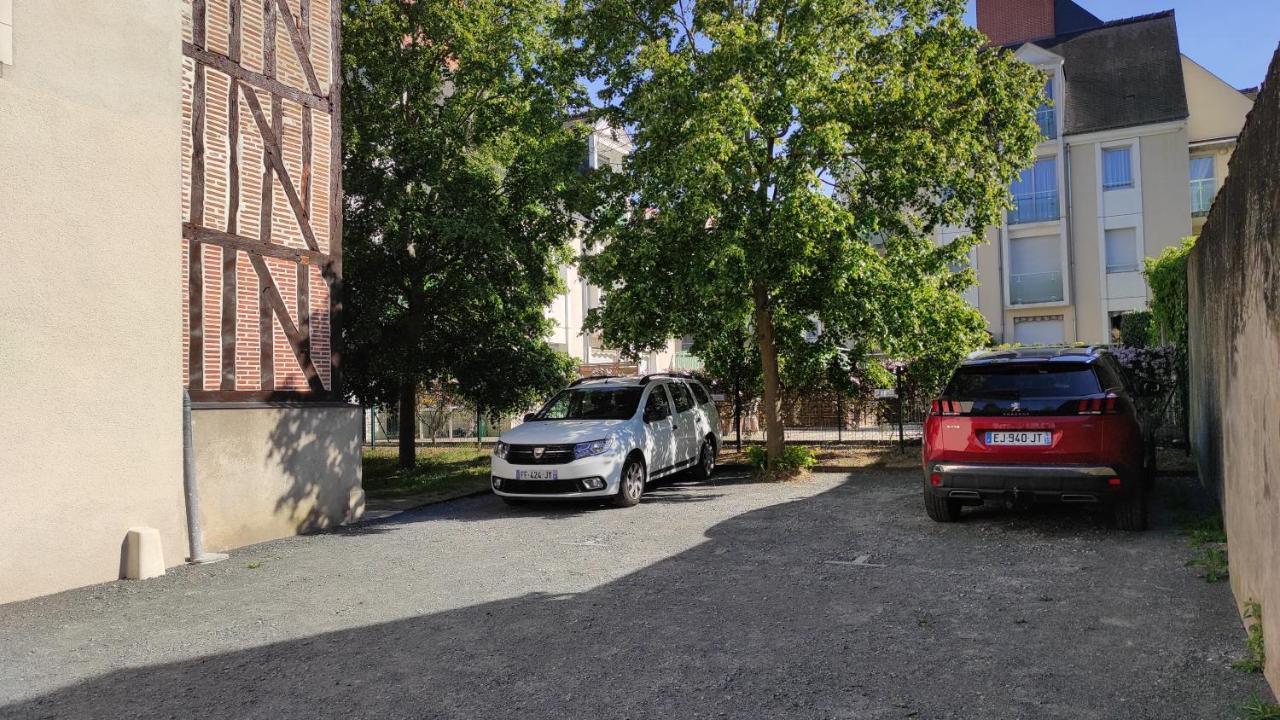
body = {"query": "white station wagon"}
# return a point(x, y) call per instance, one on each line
point(608, 437)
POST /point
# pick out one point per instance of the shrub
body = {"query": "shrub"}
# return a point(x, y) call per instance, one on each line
point(1167, 276)
point(1136, 330)
point(1154, 370)
point(794, 458)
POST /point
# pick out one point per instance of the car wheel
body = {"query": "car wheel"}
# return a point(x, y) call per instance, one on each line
point(941, 509)
point(1131, 510)
point(706, 460)
point(631, 485)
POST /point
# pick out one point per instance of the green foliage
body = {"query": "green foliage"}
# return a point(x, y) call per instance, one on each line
point(1255, 643)
point(1167, 276)
point(793, 458)
point(1212, 561)
point(1258, 709)
point(438, 470)
point(460, 174)
point(773, 143)
point(1137, 329)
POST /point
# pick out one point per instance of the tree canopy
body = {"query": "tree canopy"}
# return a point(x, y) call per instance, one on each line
point(460, 169)
point(791, 159)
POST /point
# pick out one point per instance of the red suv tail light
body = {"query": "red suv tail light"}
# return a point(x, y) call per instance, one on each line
point(1099, 405)
point(947, 407)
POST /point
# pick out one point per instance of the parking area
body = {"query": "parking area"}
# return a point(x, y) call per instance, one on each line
point(832, 597)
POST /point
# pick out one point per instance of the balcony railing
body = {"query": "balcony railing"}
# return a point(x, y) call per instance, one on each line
point(686, 361)
point(1047, 119)
point(1032, 288)
point(1036, 207)
point(1202, 193)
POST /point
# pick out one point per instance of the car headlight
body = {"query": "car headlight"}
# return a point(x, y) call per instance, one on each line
point(594, 447)
point(500, 449)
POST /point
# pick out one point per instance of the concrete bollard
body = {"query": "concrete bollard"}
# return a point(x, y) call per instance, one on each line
point(143, 557)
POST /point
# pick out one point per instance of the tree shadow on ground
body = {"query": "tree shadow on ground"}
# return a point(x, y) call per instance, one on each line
point(773, 616)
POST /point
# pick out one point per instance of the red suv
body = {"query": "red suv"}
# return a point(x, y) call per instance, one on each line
point(1037, 425)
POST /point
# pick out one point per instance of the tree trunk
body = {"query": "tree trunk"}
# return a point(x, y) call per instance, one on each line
point(408, 423)
point(737, 406)
point(773, 433)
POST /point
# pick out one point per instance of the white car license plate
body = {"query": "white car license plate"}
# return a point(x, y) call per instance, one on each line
point(537, 475)
point(1033, 439)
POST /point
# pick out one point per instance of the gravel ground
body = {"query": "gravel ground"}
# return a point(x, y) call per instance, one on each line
point(832, 597)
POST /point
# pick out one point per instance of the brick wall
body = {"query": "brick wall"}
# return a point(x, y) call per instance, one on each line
point(235, 166)
point(1009, 21)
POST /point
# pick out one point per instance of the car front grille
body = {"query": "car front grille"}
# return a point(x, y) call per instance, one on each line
point(550, 455)
point(541, 487)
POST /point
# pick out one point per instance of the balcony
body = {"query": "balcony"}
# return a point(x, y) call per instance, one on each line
point(1035, 207)
point(1034, 288)
point(686, 361)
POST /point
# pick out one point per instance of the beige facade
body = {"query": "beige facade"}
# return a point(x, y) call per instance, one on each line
point(1094, 237)
point(270, 472)
point(90, 333)
point(606, 147)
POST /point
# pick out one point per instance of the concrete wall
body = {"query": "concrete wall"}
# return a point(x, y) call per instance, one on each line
point(90, 362)
point(1217, 109)
point(1234, 287)
point(270, 472)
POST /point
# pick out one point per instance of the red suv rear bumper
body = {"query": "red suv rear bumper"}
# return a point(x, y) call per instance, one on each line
point(977, 482)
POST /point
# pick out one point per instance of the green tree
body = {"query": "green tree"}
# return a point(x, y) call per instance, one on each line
point(460, 172)
point(774, 140)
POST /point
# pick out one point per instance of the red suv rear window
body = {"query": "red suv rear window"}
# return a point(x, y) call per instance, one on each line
point(1023, 381)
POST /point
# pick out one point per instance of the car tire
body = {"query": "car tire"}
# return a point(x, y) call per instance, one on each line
point(630, 484)
point(706, 460)
point(941, 509)
point(1130, 511)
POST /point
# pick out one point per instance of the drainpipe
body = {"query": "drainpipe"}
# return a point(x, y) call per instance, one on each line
point(1071, 240)
point(195, 536)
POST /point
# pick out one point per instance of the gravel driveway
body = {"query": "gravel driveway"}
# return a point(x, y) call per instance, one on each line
point(832, 597)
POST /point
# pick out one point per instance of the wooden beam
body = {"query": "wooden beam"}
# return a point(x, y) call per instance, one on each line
point(229, 303)
point(301, 346)
point(233, 157)
point(223, 64)
point(300, 47)
point(271, 145)
point(266, 332)
point(306, 159)
point(199, 23)
point(235, 32)
point(222, 239)
point(195, 261)
point(269, 38)
point(334, 271)
point(265, 396)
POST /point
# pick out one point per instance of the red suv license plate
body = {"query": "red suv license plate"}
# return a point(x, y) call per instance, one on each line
point(1032, 438)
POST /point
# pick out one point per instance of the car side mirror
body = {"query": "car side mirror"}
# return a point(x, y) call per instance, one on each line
point(530, 416)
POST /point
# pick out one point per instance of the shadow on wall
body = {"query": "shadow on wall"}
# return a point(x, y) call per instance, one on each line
point(753, 623)
point(317, 449)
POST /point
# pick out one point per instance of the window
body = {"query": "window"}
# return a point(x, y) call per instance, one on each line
point(1035, 270)
point(680, 395)
point(592, 404)
point(657, 406)
point(1046, 115)
point(700, 393)
point(1117, 168)
point(1039, 331)
point(1122, 250)
point(1024, 381)
point(1202, 185)
point(1035, 193)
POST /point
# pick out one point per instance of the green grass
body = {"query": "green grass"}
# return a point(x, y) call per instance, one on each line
point(1255, 643)
point(1259, 709)
point(446, 471)
point(1207, 536)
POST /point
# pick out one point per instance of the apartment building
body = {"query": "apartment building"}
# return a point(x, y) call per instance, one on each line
point(606, 147)
point(1135, 145)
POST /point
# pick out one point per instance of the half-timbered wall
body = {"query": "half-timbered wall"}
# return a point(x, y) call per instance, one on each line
point(261, 192)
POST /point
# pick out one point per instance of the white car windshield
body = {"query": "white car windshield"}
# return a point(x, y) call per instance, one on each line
point(604, 403)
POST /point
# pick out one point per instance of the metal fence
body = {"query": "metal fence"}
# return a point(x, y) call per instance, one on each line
point(810, 418)
point(821, 418)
